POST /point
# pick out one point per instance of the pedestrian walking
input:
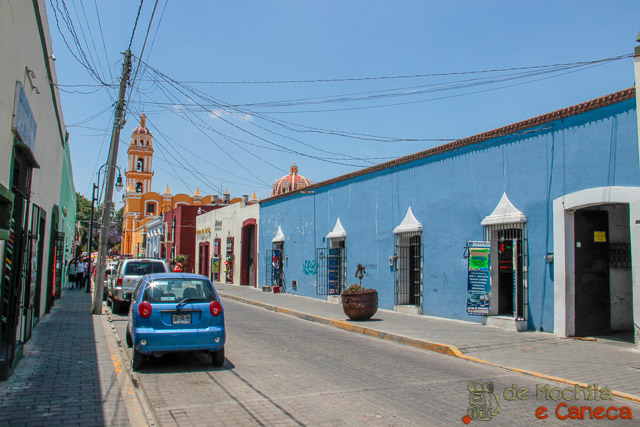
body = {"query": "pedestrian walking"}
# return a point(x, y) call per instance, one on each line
point(72, 273)
point(90, 272)
point(80, 270)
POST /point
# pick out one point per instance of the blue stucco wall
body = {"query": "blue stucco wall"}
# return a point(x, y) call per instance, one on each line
point(450, 194)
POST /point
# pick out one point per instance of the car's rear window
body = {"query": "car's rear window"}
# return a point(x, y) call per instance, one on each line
point(175, 290)
point(143, 267)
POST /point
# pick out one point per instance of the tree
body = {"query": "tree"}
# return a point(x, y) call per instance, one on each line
point(83, 216)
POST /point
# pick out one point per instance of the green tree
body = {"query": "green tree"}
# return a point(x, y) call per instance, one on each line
point(83, 216)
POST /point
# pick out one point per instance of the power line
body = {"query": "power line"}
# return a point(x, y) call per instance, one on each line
point(135, 25)
point(410, 76)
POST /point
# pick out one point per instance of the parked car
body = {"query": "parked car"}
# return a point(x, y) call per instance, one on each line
point(109, 270)
point(127, 275)
point(175, 312)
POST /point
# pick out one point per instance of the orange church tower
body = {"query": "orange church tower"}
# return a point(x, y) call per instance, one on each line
point(141, 204)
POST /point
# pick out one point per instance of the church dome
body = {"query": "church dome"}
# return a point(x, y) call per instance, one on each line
point(142, 129)
point(290, 182)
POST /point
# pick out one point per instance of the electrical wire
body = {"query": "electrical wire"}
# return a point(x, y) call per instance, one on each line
point(410, 76)
point(135, 25)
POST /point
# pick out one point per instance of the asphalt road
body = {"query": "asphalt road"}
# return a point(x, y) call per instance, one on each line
point(282, 370)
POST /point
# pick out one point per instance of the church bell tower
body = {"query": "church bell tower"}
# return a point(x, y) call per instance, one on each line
point(139, 172)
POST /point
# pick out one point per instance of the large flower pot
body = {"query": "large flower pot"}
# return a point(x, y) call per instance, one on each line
point(360, 306)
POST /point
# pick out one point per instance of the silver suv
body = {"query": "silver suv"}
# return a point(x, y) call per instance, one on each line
point(127, 275)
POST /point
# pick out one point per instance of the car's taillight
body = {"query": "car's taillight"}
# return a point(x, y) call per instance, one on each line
point(145, 309)
point(119, 281)
point(215, 308)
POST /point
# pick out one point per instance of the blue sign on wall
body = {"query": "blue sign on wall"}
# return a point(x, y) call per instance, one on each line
point(479, 278)
point(24, 124)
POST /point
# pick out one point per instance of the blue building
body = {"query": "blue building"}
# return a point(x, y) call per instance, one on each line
point(555, 199)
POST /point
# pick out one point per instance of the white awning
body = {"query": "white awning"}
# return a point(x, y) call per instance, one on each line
point(504, 213)
point(338, 232)
point(279, 236)
point(409, 224)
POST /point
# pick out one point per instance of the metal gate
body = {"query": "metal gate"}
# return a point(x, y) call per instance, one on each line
point(331, 266)
point(59, 261)
point(409, 269)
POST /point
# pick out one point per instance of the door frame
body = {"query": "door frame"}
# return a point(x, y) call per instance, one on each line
point(564, 254)
point(244, 251)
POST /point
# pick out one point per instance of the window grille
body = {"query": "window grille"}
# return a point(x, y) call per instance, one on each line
point(409, 269)
point(331, 271)
point(516, 233)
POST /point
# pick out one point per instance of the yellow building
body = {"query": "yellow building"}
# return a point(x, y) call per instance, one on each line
point(141, 205)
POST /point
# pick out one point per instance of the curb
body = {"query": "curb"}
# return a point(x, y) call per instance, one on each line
point(446, 349)
point(124, 365)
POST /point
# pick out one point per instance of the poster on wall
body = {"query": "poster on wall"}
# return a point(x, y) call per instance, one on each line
point(215, 265)
point(333, 262)
point(479, 278)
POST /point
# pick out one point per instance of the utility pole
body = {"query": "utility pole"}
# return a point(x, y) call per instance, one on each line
point(111, 175)
point(93, 200)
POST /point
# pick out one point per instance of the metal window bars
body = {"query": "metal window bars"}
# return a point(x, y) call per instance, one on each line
point(409, 269)
point(331, 266)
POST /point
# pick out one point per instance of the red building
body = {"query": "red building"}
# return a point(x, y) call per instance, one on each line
point(180, 234)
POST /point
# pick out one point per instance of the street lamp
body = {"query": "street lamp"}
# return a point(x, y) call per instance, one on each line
point(96, 187)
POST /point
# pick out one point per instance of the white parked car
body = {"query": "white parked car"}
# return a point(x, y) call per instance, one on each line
point(126, 276)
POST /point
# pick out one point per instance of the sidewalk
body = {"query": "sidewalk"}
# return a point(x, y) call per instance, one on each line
point(70, 373)
point(605, 362)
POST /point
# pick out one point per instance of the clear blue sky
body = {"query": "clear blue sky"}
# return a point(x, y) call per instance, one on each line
point(207, 135)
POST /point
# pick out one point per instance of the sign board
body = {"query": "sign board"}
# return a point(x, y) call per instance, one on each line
point(479, 278)
point(215, 265)
point(24, 124)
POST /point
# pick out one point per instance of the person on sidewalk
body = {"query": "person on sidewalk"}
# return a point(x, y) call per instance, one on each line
point(72, 273)
point(80, 274)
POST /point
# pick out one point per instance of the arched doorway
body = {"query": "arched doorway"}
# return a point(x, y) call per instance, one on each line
point(248, 253)
point(593, 272)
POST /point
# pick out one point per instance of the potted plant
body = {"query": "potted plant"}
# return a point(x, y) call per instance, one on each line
point(359, 303)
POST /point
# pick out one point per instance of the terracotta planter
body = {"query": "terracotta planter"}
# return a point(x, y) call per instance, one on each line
point(360, 306)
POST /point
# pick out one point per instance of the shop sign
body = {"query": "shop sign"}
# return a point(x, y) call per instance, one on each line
point(479, 278)
point(24, 124)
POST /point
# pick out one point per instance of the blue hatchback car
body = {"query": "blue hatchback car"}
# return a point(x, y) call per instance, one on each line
point(172, 312)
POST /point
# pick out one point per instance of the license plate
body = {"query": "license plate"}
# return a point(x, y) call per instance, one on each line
point(181, 319)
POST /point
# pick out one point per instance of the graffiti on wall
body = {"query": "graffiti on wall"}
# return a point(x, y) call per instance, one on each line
point(309, 267)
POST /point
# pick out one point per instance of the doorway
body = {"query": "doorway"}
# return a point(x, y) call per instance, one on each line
point(248, 253)
point(594, 291)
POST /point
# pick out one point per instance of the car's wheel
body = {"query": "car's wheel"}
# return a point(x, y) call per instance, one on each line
point(138, 360)
point(217, 357)
point(129, 339)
